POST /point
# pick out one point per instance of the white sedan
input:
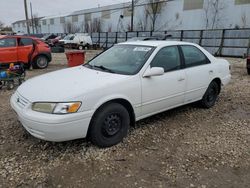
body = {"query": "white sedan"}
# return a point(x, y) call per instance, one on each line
point(122, 85)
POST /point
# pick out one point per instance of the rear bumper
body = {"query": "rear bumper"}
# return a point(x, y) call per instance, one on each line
point(226, 80)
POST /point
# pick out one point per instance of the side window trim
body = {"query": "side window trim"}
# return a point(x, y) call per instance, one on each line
point(180, 58)
point(183, 57)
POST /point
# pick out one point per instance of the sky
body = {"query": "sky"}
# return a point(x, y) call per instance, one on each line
point(13, 10)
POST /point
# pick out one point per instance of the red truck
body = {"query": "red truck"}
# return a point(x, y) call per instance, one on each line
point(24, 49)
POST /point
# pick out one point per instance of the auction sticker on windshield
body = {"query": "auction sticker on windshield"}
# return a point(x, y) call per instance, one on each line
point(142, 49)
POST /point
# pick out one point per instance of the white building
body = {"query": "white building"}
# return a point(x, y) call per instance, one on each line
point(169, 15)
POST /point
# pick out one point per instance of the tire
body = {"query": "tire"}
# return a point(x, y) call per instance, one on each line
point(248, 71)
point(27, 66)
point(57, 50)
point(1, 84)
point(109, 125)
point(80, 47)
point(41, 62)
point(10, 85)
point(211, 95)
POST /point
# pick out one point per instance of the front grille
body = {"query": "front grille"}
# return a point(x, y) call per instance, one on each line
point(21, 101)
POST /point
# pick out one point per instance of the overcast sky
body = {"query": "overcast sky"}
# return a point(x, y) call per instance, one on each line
point(13, 10)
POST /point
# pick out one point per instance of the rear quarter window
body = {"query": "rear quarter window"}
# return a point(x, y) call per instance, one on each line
point(25, 42)
point(193, 56)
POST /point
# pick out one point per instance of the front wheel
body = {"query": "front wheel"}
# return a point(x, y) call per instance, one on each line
point(109, 125)
point(211, 95)
point(248, 71)
point(41, 62)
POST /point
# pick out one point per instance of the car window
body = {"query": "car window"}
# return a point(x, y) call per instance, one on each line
point(167, 58)
point(122, 59)
point(72, 38)
point(7, 42)
point(25, 42)
point(193, 56)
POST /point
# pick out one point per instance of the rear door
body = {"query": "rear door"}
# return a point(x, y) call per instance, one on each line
point(199, 72)
point(25, 47)
point(8, 50)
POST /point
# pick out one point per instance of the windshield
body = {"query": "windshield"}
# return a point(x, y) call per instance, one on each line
point(122, 59)
point(68, 37)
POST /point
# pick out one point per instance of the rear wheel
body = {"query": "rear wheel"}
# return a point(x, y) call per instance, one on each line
point(211, 95)
point(248, 71)
point(10, 85)
point(109, 125)
point(80, 47)
point(41, 62)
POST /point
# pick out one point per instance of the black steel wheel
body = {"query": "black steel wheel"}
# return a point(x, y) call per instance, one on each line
point(211, 95)
point(109, 125)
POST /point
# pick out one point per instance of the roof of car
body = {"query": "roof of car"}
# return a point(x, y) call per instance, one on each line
point(156, 43)
point(16, 36)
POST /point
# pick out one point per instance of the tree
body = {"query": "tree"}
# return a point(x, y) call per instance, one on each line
point(68, 27)
point(36, 22)
point(1, 25)
point(153, 10)
point(213, 13)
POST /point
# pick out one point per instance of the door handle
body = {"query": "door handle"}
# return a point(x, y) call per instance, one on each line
point(181, 79)
point(211, 71)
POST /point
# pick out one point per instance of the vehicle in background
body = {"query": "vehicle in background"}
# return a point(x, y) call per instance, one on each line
point(128, 82)
point(54, 42)
point(248, 65)
point(24, 49)
point(47, 37)
point(79, 41)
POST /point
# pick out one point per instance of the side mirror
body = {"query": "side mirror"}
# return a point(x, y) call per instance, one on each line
point(154, 71)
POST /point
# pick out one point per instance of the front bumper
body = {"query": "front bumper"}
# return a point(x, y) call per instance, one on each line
point(50, 127)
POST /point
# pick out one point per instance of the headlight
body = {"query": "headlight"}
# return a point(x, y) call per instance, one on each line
point(57, 108)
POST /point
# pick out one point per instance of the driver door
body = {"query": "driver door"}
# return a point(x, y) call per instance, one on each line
point(160, 93)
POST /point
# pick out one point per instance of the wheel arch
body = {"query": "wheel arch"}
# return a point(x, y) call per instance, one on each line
point(218, 81)
point(123, 102)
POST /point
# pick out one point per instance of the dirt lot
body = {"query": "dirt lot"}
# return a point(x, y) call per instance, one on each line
point(184, 147)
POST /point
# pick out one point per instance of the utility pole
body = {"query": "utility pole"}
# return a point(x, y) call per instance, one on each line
point(132, 16)
point(27, 17)
point(32, 20)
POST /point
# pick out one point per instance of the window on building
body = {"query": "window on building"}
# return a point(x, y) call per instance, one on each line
point(75, 18)
point(106, 14)
point(240, 2)
point(24, 24)
point(126, 12)
point(155, 8)
point(87, 17)
point(193, 4)
point(18, 25)
point(52, 21)
point(62, 20)
point(44, 22)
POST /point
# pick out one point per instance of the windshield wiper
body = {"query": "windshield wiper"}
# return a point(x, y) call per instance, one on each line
point(102, 68)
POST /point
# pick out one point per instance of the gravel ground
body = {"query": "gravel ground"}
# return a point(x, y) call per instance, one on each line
point(184, 147)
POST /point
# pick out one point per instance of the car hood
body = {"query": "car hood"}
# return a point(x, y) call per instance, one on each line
point(67, 84)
